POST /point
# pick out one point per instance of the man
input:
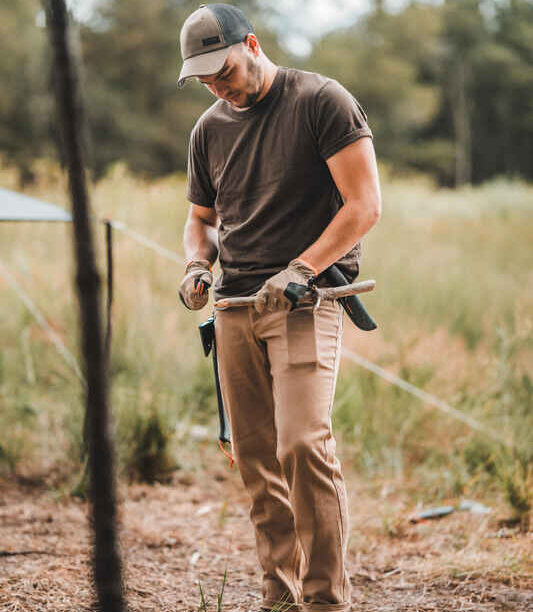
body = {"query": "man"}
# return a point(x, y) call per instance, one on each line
point(283, 183)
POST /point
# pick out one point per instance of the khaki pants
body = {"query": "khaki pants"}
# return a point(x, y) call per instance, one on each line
point(278, 372)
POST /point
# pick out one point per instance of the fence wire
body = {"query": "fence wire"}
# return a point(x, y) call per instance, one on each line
point(53, 336)
point(426, 397)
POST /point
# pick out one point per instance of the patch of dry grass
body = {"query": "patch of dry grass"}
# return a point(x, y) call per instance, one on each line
point(173, 539)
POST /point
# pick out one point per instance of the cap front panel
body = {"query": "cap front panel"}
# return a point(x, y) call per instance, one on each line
point(203, 65)
point(201, 33)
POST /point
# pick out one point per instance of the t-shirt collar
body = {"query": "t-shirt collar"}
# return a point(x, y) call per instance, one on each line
point(264, 102)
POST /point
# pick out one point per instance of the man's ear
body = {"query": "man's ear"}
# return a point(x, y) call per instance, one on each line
point(252, 44)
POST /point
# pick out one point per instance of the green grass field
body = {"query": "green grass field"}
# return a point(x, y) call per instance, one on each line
point(454, 305)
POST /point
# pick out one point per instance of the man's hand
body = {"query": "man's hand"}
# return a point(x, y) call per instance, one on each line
point(194, 287)
point(271, 294)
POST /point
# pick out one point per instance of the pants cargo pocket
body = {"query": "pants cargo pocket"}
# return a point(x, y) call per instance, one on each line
point(301, 336)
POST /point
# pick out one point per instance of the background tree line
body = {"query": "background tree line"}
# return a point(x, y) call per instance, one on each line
point(448, 88)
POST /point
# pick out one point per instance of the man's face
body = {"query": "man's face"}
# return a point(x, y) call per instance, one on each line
point(239, 81)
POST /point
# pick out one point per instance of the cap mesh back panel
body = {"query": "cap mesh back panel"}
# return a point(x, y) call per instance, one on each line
point(235, 26)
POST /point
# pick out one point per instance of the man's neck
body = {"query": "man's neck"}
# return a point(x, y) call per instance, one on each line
point(270, 74)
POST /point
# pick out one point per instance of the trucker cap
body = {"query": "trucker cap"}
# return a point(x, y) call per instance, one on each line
point(206, 38)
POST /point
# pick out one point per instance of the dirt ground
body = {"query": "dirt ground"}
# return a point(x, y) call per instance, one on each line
point(177, 536)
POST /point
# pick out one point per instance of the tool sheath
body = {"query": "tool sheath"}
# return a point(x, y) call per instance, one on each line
point(207, 335)
point(352, 304)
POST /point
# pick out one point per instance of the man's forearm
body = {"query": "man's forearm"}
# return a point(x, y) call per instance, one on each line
point(348, 226)
point(200, 240)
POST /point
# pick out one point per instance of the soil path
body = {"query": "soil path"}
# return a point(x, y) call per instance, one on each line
point(175, 537)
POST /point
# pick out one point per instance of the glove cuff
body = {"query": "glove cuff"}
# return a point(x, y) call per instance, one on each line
point(304, 268)
point(200, 265)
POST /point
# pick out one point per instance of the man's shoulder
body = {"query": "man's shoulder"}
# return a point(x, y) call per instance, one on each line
point(324, 91)
point(306, 82)
point(314, 84)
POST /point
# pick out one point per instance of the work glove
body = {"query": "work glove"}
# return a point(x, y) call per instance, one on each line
point(271, 296)
point(194, 287)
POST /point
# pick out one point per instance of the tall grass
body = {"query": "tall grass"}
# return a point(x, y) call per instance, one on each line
point(453, 303)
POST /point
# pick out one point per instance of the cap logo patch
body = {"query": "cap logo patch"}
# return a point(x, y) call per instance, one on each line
point(212, 40)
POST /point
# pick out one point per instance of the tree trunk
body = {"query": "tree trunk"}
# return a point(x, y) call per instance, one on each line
point(461, 108)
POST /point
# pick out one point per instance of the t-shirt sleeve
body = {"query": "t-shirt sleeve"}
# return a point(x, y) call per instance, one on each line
point(199, 187)
point(339, 119)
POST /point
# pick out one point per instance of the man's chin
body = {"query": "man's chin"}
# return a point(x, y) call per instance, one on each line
point(240, 104)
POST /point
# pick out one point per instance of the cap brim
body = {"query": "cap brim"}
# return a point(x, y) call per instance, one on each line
point(202, 65)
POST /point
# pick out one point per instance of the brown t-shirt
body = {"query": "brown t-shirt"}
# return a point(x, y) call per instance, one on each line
point(264, 171)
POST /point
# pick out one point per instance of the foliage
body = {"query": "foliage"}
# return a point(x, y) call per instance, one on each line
point(389, 62)
point(204, 600)
point(509, 402)
point(283, 604)
point(447, 87)
point(149, 459)
point(25, 105)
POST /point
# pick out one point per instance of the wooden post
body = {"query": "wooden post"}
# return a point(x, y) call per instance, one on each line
point(109, 292)
point(106, 559)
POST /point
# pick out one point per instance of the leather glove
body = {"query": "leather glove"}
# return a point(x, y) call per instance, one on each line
point(194, 287)
point(271, 295)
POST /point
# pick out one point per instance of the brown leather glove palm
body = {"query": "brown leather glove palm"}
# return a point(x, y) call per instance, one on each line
point(271, 296)
point(194, 287)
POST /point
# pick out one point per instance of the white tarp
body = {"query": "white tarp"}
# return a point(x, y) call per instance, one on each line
point(17, 207)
